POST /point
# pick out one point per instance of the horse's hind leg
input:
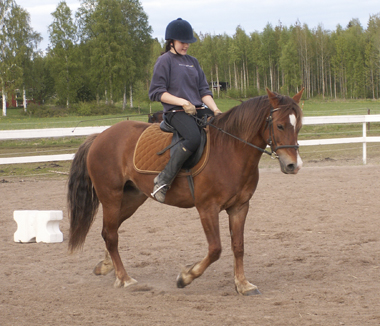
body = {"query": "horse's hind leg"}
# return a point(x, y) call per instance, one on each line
point(113, 216)
point(105, 266)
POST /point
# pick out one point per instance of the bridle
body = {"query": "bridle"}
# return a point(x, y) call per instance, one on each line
point(271, 141)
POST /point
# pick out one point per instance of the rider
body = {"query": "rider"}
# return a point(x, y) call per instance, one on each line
point(179, 83)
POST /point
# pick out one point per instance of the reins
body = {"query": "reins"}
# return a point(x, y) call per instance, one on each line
point(238, 138)
point(271, 141)
point(203, 123)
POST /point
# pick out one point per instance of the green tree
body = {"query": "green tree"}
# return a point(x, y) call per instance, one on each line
point(290, 63)
point(25, 44)
point(322, 52)
point(241, 39)
point(41, 77)
point(63, 37)
point(255, 58)
point(304, 46)
point(17, 40)
point(234, 60)
point(338, 62)
point(355, 49)
point(372, 55)
point(5, 54)
point(117, 36)
point(269, 54)
point(139, 31)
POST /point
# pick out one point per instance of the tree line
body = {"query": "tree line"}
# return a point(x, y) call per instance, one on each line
point(344, 63)
point(105, 52)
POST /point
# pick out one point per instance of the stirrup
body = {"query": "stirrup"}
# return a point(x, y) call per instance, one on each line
point(158, 189)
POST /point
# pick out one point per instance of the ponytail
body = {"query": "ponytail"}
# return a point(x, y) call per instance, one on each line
point(168, 46)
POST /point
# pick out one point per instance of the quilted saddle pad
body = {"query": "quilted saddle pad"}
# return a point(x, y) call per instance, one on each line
point(153, 140)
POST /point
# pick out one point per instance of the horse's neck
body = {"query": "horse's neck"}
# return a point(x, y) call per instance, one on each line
point(238, 151)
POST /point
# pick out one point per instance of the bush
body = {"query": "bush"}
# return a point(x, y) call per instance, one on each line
point(234, 93)
point(93, 108)
point(79, 109)
point(238, 93)
point(83, 108)
point(41, 111)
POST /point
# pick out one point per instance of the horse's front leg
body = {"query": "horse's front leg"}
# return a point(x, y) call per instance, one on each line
point(237, 216)
point(210, 223)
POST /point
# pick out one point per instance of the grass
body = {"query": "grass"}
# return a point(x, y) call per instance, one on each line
point(350, 153)
point(41, 170)
point(16, 120)
point(315, 107)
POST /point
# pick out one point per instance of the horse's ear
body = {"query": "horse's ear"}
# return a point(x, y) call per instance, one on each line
point(298, 96)
point(273, 99)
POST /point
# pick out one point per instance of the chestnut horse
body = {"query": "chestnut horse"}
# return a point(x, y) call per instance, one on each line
point(102, 171)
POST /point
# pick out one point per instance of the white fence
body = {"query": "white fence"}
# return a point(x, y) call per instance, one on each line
point(84, 131)
point(364, 119)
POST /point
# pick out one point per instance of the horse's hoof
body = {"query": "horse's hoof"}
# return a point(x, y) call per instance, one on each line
point(252, 292)
point(185, 278)
point(98, 268)
point(180, 282)
point(248, 290)
point(102, 269)
point(118, 283)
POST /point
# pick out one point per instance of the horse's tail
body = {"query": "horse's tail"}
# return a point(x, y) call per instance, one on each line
point(82, 201)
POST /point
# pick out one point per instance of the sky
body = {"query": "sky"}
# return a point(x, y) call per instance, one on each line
point(224, 16)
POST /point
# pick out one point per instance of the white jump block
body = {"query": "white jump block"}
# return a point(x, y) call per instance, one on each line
point(43, 226)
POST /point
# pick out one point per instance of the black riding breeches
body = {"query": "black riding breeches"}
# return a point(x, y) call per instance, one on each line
point(186, 127)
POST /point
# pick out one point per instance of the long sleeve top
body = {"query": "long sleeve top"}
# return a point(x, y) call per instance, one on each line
point(181, 76)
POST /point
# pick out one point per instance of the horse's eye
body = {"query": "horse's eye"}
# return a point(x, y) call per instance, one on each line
point(280, 127)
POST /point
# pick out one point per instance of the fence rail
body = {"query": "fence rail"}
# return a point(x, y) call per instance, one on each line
point(85, 131)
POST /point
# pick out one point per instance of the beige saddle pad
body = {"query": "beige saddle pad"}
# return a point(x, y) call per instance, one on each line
point(152, 140)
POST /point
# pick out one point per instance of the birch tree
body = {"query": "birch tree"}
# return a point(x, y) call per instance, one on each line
point(6, 53)
point(17, 41)
point(63, 37)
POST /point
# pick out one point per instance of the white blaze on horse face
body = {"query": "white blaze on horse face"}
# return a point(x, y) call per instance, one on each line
point(293, 120)
point(299, 161)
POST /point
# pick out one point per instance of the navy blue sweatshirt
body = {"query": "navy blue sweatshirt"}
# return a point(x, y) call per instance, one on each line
point(181, 76)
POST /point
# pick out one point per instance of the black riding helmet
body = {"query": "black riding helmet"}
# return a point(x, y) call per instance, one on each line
point(180, 30)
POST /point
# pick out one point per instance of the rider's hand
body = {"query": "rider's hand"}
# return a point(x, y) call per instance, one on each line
point(217, 112)
point(189, 108)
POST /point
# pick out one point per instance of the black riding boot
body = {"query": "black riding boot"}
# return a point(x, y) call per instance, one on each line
point(163, 181)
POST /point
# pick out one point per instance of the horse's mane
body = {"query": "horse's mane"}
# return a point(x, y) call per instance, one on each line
point(246, 119)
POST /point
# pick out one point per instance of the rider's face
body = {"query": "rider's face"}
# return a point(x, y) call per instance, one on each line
point(180, 47)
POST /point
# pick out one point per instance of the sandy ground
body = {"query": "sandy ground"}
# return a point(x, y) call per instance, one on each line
point(312, 248)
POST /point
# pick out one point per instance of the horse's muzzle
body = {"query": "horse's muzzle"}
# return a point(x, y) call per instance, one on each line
point(290, 166)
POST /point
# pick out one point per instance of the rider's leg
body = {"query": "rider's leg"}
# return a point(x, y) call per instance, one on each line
point(189, 131)
point(163, 181)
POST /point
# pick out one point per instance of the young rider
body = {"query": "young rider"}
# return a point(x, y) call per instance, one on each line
point(180, 84)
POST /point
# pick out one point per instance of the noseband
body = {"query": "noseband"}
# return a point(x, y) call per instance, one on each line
point(272, 140)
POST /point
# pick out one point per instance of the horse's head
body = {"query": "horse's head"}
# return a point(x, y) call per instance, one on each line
point(283, 125)
point(156, 117)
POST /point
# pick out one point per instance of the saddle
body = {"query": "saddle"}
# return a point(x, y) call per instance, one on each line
point(152, 151)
